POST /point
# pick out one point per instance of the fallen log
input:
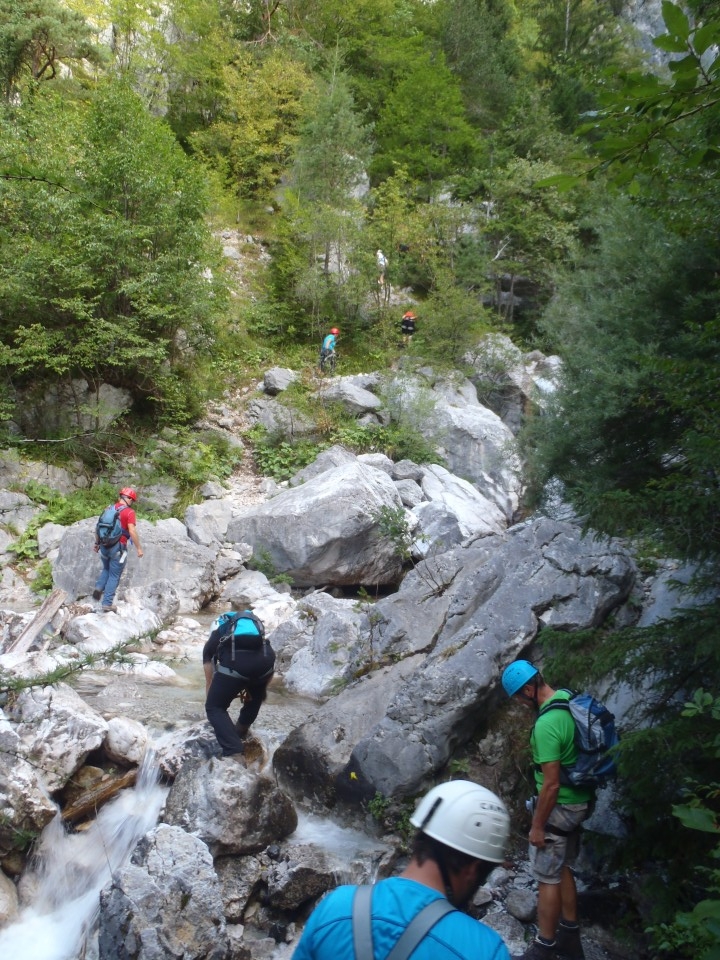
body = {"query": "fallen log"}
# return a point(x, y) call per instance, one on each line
point(47, 611)
point(90, 802)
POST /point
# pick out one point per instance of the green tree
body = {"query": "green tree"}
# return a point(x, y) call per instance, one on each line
point(324, 209)
point(423, 126)
point(36, 37)
point(530, 231)
point(481, 47)
point(259, 116)
point(104, 254)
point(632, 431)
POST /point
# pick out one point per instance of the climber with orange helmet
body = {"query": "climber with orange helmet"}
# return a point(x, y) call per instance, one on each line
point(327, 350)
point(407, 325)
point(117, 525)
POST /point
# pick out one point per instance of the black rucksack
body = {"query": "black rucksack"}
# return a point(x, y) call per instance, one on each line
point(108, 529)
point(595, 737)
point(235, 636)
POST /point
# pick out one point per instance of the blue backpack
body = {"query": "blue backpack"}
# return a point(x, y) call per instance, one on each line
point(108, 529)
point(595, 737)
point(241, 631)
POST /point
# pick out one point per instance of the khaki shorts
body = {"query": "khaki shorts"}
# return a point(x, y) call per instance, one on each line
point(560, 850)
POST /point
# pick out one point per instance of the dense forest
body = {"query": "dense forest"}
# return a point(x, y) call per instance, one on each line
point(525, 166)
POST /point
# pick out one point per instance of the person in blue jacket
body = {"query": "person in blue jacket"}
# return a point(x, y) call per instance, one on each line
point(462, 833)
point(327, 350)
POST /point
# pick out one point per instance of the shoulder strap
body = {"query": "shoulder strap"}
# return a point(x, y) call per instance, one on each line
point(362, 923)
point(558, 704)
point(418, 927)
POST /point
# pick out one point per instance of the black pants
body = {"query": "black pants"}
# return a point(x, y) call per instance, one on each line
point(223, 690)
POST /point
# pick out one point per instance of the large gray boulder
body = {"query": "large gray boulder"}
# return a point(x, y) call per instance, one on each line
point(468, 612)
point(352, 398)
point(322, 645)
point(169, 555)
point(25, 804)
point(313, 757)
point(231, 808)
point(57, 730)
point(509, 381)
point(325, 531)
point(165, 904)
point(477, 445)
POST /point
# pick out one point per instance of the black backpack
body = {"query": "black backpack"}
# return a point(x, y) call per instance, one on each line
point(108, 529)
point(236, 638)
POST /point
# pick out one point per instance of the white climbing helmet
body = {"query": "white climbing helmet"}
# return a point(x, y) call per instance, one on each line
point(466, 817)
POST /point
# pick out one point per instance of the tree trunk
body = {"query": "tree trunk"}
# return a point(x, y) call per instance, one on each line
point(44, 615)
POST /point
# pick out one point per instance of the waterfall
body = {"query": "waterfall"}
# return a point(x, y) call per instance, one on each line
point(70, 869)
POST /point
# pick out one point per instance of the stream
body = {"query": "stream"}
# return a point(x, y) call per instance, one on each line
point(69, 868)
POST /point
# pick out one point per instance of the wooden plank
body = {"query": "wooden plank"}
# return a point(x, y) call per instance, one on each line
point(47, 611)
point(89, 803)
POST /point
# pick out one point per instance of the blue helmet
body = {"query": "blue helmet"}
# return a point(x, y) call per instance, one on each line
point(516, 675)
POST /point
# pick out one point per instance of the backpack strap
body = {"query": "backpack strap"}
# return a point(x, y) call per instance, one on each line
point(418, 927)
point(558, 704)
point(362, 923)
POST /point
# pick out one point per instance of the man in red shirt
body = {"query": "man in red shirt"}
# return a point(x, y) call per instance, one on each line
point(114, 557)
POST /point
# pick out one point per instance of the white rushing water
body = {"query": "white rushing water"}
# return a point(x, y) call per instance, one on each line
point(70, 870)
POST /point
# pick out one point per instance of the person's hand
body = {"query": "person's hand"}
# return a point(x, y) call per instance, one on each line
point(140, 551)
point(96, 547)
point(537, 837)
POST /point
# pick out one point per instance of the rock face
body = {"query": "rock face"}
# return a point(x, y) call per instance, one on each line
point(25, 805)
point(57, 731)
point(232, 809)
point(169, 555)
point(468, 612)
point(165, 903)
point(326, 531)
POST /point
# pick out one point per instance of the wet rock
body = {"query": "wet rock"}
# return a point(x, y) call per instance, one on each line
point(231, 808)
point(165, 903)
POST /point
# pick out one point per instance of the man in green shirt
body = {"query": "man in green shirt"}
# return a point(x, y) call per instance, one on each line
point(558, 812)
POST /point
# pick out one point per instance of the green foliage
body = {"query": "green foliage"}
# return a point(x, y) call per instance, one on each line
point(279, 458)
point(378, 806)
point(480, 45)
point(392, 523)
point(657, 130)
point(263, 562)
point(42, 582)
point(38, 38)
point(697, 932)
point(423, 127)
point(637, 321)
point(192, 458)
point(259, 115)
point(103, 279)
point(452, 321)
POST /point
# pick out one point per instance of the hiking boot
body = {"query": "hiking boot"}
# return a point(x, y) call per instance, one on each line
point(567, 943)
point(111, 609)
point(538, 951)
point(97, 594)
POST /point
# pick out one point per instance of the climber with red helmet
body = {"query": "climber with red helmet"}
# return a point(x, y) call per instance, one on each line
point(117, 525)
point(328, 356)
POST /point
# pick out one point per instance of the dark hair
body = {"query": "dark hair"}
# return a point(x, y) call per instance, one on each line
point(425, 848)
point(447, 858)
